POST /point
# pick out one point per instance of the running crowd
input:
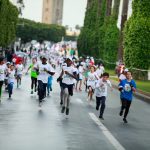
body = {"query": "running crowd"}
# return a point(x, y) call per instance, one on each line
point(74, 74)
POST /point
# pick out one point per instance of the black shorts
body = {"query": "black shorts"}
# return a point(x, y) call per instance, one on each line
point(70, 88)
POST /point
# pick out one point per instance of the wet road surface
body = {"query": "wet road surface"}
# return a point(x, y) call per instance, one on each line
point(23, 126)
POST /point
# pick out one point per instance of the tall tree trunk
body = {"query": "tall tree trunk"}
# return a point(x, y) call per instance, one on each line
point(123, 20)
point(99, 7)
point(108, 8)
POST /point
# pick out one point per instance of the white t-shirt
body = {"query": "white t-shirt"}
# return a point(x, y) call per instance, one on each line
point(101, 88)
point(2, 72)
point(11, 76)
point(19, 68)
point(67, 79)
point(122, 77)
point(102, 69)
point(92, 78)
point(43, 75)
point(99, 72)
point(80, 72)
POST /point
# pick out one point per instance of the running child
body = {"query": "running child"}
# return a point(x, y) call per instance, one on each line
point(101, 93)
point(19, 72)
point(68, 74)
point(126, 87)
point(11, 80)
point(91, 81)
point(34, 75)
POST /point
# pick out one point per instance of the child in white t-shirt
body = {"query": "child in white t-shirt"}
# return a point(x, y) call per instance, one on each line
point(101, 93)
point(92, 77)
point(11, 79)
point(19, 72)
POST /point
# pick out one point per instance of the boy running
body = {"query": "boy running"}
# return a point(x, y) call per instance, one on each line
point(101, 93)
point(11, 80)
point(126, 87)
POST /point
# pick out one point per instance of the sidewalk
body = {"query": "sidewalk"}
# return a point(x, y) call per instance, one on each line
point(144, 96)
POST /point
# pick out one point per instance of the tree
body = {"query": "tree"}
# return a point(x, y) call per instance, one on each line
point(39, 31)
point(123, 20)
point(8, 22)
point(136, 39)
point(77, 27)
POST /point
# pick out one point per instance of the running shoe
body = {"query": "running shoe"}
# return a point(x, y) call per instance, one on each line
point(125, 120)
point(63, 109)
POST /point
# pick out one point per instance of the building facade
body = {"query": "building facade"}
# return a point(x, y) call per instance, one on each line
point(52, 11)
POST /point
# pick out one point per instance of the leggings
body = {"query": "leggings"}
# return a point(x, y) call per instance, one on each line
point(33, 83)
point(1, 84)
point(125, 105)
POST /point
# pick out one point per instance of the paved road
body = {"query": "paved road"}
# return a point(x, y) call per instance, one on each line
point(23, 126)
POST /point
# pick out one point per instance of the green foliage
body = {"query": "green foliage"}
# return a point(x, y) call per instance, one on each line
point(29, 30)
point(8, 21)
point(136, 39)
point(99, 36)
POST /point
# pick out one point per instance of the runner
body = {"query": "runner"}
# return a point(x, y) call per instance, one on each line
point(34, 75)
point(11, 80)
point(126, 87)
point(101, 93)
point(19, 72)
point(44, 69)
point(61, 85)
point(49, 85)
point(2, 74)
point(68, 75)
point(80, 78)
point(6, 75)
point(91, 81)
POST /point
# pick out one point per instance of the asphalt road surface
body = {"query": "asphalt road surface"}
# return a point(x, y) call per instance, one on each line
point(23, 126)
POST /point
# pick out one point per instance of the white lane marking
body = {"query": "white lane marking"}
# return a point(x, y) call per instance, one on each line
point(107, 133)
point(79, 101)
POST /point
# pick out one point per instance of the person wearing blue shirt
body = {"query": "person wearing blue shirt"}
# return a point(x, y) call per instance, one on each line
point(49, 85)
point(126, 87)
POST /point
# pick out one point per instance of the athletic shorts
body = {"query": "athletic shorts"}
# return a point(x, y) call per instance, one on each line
point(70, 88)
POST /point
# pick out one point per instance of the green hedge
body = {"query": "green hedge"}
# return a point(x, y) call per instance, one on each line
point(136, 39)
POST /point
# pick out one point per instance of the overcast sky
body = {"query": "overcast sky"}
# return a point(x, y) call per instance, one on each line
point(74, 11)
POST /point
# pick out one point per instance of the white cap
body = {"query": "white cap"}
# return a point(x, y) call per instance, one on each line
point(126, 70)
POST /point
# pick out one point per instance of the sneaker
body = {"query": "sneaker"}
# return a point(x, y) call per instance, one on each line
point(67, 111)
point(97, 108)
point(125, 120)
point(61, 102)
point(101, 117)
point(121, 113)
point(63, 109)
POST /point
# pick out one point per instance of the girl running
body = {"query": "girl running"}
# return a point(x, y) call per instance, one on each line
point(19, 72)
point(91, 81)
point(34, 75)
